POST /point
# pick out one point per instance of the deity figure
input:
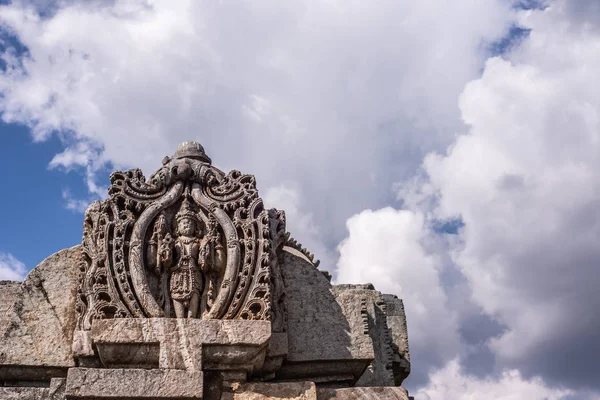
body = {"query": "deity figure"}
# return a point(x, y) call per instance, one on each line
point(193, 260)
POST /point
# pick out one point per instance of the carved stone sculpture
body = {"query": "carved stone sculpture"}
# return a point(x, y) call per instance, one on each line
point(193, 263)
point(190, 242)
point(186, 287)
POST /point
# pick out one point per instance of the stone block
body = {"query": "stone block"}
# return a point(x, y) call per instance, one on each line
point(272, 391)
point(96, 384)
point(55, 391)
point(324, 344)
point(190, 344)
point(23, 393)
point(370, 303)
point(39, 333)
point(363, 393)
point(276, 354)
point(396, 320)
point(384, 320)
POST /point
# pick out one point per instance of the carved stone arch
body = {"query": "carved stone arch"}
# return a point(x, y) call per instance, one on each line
point(147, 301)
point(116, 269)
point(233, 253)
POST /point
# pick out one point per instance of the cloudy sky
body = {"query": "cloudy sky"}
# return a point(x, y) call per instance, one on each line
point(446, 151)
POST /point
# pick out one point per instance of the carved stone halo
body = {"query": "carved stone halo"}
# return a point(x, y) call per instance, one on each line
point(118, 280)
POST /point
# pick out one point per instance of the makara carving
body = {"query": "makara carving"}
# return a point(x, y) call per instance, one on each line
point(189, 242)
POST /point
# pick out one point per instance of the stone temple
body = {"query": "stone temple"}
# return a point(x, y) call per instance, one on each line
point(186, 287)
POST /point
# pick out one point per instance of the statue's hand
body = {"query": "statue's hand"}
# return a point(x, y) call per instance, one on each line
point(151, 252)
point(165, 254)
point(166, 249)
point(204, 267)
point(220, 258)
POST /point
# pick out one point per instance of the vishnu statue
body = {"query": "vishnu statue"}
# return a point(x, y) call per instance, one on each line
point(193, 259)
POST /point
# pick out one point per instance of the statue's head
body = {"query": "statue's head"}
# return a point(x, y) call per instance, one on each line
point(187, 220)
point(186, 226)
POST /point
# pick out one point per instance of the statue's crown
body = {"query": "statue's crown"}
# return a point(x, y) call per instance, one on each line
point(186, 212)
point(192, 150)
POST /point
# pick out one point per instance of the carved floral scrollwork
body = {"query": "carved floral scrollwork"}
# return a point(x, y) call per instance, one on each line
point(189, 242)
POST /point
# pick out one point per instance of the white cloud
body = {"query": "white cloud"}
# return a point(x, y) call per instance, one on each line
point(72, 203)
point(81, 154)
point(343, 99)
point(450, 383)
point(525, 182)
point(11, 269)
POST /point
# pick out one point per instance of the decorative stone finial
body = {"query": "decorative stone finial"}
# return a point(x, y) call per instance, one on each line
point(191, 149)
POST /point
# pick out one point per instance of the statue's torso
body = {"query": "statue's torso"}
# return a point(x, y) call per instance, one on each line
point(186, 277)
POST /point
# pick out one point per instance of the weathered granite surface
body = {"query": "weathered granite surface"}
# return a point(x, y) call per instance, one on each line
point(190, 344)
point(187, 287)
point(325, 344)
point(310, 391)
point(54, 391)
point(396, 321)
point(384, 318)
point(115, 383)
point(36, 343)
point(369, 302)
point(271, 391)
point(363, 393)
point(8, 294)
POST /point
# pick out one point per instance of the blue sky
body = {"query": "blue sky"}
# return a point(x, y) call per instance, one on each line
point(441, 153)
point(36, 222)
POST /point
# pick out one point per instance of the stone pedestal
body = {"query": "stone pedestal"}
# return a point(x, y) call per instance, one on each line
point(163, 358)
point(170, 343)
